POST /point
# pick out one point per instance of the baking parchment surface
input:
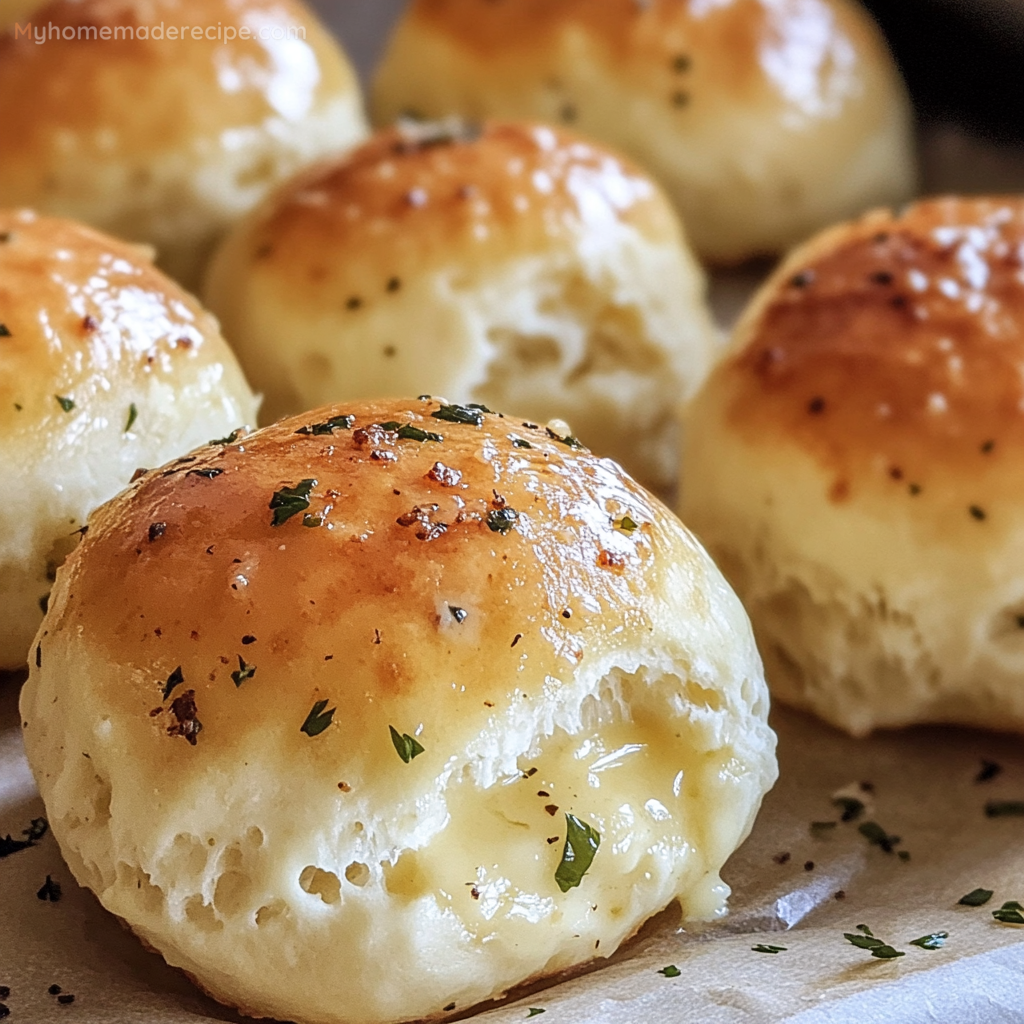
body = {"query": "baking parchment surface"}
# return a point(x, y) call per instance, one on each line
point(787, 881)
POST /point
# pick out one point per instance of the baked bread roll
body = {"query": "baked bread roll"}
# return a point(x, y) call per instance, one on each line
point(168, 140)
point(513, 265)
point(105, 366)
point(348, 686)
point(856, 465)
point(763, 120)
point(16, 11)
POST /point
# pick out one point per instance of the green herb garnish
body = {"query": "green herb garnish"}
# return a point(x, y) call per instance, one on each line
point(501, 520)
point(133, 415)
point(4, 330)
point(468, 414)
point(290, 501)
point(458, 614)
point(1004, 809)
point(230, 439)
point(173, 680)
point(410, 433)
point(518, 442)
point(328, 426)
point(1010, 913)
point(67, 404)
point(877, 836)
point(626, 524)
point(763, 948)
point(568, 440)
point(534, 1011)
point(407, 746)
point(581, 843)
point(208, 474)
point(976, 898)
point(244, 672)
point(671, 971)
point(318, 719)
point(311, 521)
point(934, 941)
point(852, 807)
point(866, 940)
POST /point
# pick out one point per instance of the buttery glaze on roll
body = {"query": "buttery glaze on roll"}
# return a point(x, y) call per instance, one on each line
point(168, 140)
point(391, 706)
point(857, 466)
point(513, 264)
point(105, 366)
point(763, 120)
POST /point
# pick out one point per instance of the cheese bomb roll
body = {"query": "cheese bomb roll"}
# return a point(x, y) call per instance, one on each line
point(105, 366)
point(390, 707)
point(168, 139)
point(857, 466)
point(763, 119)
point(515, 265)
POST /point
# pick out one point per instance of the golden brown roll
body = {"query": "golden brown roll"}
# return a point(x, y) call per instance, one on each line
point(168, 139)
point(105, 366)
point(764, 120)
point(514, 265)
point(857, 466)
point(391, 706)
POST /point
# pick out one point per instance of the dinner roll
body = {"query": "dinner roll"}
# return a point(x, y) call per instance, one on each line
point(168, 139)
point(764, 119)
point(515, 265)
point(105, 366)
point(391, 706)
point(857, 466)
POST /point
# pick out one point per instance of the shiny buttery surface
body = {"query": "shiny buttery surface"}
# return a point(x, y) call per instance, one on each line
point(418, 197)
point(894, 346)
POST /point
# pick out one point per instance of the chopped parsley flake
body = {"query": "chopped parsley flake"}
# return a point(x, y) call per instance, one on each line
point(4, 331)
point(50, 892)
point(407, 432)
point(67, 404)
point(311, 521)
point(877, 836)
point(1010, 913)
point(762, 947)
point(568, 440)
point(866, 940)
point(671, 971)
point(535, 1011)
point(208, 474)
point(317, 720)
point(470, 415)
point(626, 524)
point(328, 426)
point(173, 680)
point(244, 672)
point(133, 415)
point(458, 614)
point(230, 439)
point(290, 501)
point(581, 843)
point(1004, 809)
point(852, 807)
point(501, 520)
point(407, 746)
point(975, 898)
point(518, 442)
point(934, 941)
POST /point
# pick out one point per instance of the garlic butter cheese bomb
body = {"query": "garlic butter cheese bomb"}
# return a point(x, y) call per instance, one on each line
point(105, 366)
point(168, 140)
point(513, 264)
point(856, 466)
point(765, 120)
point(391, 706)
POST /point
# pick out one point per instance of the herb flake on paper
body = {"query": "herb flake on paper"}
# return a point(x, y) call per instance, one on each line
point(671, 971)
point(934, 941)
point(763, 947)
point(407, 746)
point(976, 898)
